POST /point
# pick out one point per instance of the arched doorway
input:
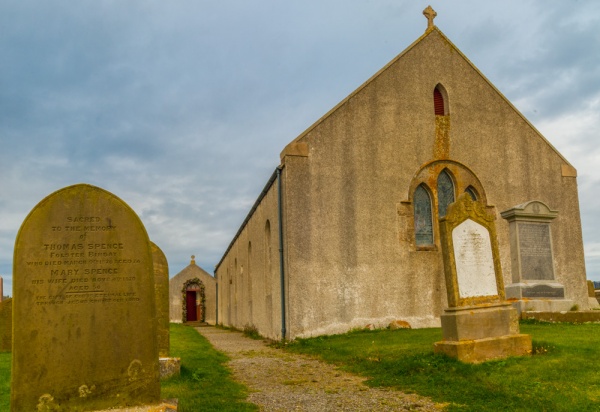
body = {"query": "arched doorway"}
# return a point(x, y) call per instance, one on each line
point(194, 301)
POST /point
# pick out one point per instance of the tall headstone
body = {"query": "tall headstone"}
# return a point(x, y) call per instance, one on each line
point(84, 300)
point(592, 296)
point(161, 286)
point(479, 324)
point(534, 286)
point(6, 325)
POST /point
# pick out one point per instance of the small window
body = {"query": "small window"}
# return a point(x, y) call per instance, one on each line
point(423, 217)
point(440, 101)
point(472, 192)
point(445, 189)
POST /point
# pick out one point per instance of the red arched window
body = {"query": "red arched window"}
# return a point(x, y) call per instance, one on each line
point(438, 102)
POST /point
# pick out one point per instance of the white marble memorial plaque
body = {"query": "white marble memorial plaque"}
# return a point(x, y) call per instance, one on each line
point(474, 260)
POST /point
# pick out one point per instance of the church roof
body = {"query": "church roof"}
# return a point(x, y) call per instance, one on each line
point(432, 30)
point(190, 271)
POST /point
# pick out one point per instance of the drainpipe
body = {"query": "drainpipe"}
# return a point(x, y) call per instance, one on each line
point(281, 266)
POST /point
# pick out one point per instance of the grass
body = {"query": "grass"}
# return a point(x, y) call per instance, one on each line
point(562, 375)
point(5, 358)
point(205, 383)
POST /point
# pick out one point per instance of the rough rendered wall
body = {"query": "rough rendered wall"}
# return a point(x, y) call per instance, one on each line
point(350, 256)
point(248, 276)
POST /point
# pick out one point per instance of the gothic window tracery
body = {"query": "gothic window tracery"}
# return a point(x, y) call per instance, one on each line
point(423, 217)
point(445, 192)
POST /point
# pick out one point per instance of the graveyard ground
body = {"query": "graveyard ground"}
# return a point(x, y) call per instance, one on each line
point(204, 384)
point(4, 381)
point(562, 375)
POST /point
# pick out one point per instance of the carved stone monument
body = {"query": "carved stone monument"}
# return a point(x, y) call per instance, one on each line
point(534, 286)
point(479, 324)
point(84, 299)
point(161, 284)
point(592, 295)
point(168, 366)
point(6, 325)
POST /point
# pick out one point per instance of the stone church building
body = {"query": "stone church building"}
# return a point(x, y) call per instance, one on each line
point(192, 296)
point(346, 234)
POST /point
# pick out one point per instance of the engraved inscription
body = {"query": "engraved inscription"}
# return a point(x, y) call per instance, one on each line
point(535, 251)
point(543, 291)
point(474, 261)
point(83, 268)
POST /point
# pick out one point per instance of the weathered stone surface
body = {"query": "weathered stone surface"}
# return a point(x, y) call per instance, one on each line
point(474, 260)
point(6, 325)
point(399, 324)
point(470, 253)
point(469, 323)
point(591, 289)
point(543, 291)
point(169, 367)
point(161, 285)
point(481, 350)
point(83, 291)
point(479, 324)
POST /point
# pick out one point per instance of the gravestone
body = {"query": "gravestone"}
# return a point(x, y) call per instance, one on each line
point(168, 366)
point(84, 300)
point(6, 325)
point(534, 286)
point(592, 296)
point(479, 324)
point(161, 285)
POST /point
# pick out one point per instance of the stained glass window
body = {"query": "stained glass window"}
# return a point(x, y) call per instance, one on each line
point(423, 217)
point(471, 191)
point(445, 189)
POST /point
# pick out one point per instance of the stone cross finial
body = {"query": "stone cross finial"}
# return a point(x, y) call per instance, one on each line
point(193, 262)
point(430, 14)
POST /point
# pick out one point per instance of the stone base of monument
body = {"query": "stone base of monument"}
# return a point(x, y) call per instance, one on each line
point(168, 405)
point(542, 305)
point(593, 303)
point(535, 290)
point(169, 367)
point(476, 334)
point(481, 350)
point(538, 297)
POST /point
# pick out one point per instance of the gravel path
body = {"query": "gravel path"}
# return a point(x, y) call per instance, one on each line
point(280, 381)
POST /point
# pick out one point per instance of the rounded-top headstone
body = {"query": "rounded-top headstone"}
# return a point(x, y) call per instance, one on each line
point(84, 308)
point(161, 279)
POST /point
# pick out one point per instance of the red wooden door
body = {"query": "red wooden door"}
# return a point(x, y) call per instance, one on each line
point(190, 304)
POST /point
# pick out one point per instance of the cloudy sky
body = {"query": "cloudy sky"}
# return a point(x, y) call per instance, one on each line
point(182, 107)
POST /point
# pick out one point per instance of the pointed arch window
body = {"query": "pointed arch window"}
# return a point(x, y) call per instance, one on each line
point(440, 101)
point(423, 217)
point(445, 191)
point(472, 192)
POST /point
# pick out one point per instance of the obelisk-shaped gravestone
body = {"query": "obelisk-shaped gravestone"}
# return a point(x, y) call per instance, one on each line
point(83, 293)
